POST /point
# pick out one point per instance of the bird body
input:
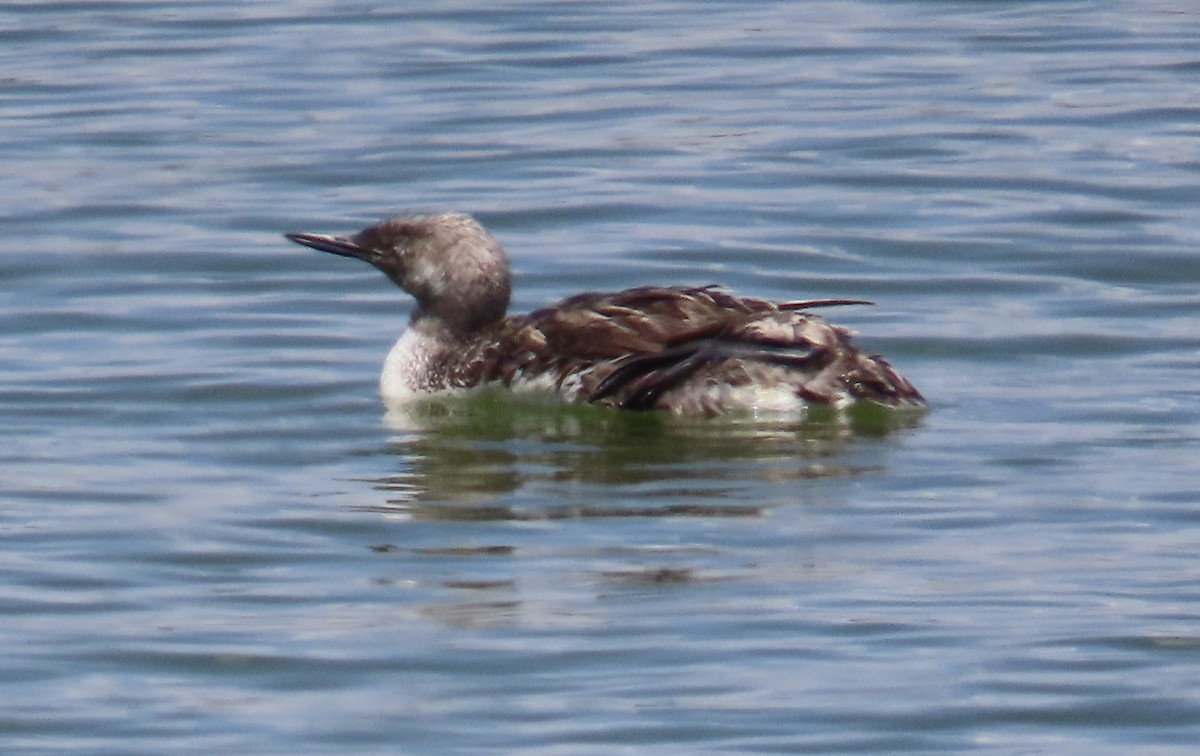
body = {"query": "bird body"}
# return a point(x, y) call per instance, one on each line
point(688, 350)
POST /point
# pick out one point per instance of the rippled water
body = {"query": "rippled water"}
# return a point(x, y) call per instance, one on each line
point(215, 538)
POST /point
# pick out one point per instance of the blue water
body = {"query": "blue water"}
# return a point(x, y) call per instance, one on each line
point(216, 539)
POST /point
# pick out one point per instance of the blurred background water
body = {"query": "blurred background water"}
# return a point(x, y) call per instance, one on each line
point(214, 538)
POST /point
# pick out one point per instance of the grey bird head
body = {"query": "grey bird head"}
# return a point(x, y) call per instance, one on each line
point(456, 270)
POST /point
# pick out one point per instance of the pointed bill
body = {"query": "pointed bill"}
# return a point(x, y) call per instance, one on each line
point(337, 245)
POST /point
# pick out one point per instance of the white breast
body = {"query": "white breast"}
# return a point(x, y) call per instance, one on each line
point(408, 367)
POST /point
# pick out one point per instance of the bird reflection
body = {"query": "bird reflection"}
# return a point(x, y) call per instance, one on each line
point(490, 461)
point(492, 458)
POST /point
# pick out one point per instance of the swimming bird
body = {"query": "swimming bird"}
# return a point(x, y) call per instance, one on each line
point(690, 350)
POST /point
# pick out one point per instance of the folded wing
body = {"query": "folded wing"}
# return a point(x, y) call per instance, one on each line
point(657, 347)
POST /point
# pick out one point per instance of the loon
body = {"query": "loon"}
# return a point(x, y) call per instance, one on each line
point(689, 350)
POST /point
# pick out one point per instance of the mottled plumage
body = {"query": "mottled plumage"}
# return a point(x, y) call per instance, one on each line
point(690, 350)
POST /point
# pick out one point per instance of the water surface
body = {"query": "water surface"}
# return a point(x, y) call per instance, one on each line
point(216, 538)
